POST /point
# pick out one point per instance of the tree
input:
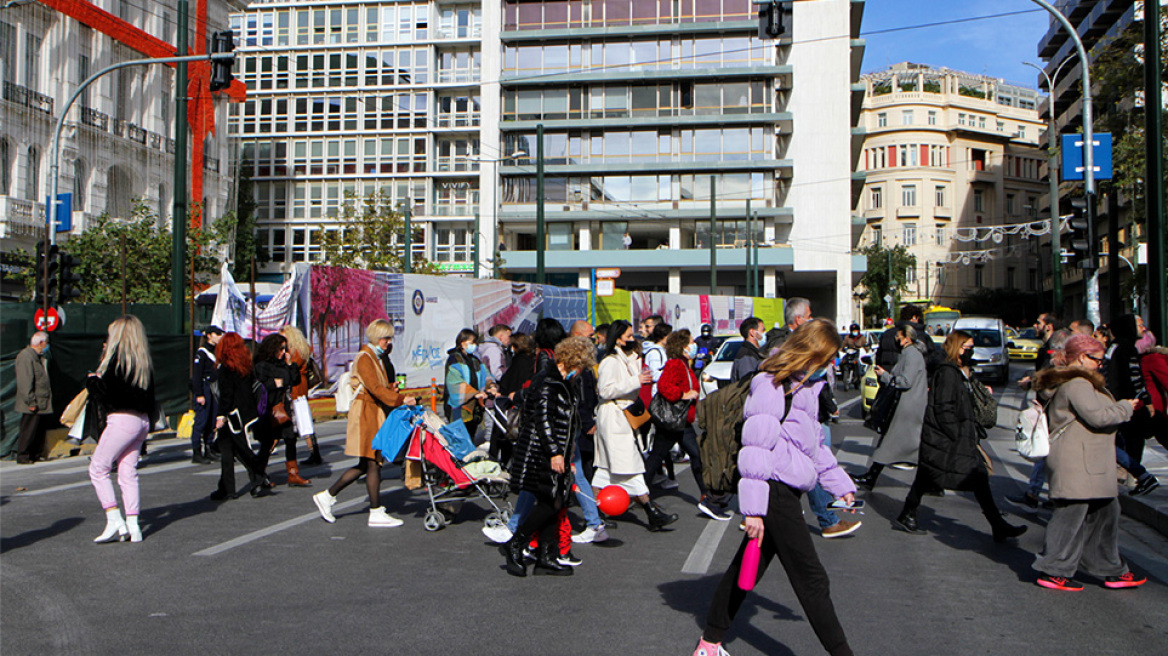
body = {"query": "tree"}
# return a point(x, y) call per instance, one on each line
point(340, 296)
point(371, 236)
point(148, 256)
point(876, 281)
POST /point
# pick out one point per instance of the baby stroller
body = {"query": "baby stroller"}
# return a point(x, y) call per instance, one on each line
point(449, 480)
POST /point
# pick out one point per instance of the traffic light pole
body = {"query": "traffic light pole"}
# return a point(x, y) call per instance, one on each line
point(178, 233)
point(1154, 176)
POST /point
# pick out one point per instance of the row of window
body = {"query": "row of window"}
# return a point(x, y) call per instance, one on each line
point(649, 100)
point(280, 200)
point(908, 196)
point(387, 67)
point(402, 111)
point(906, 155)
point(445, 242)
point(669, 54)
point(390, 23)
point(668, 145)
point(561, 14)
point(683, 189)
point(908, 117)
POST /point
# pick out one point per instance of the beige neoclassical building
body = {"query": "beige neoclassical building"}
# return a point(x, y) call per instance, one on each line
point(946, 152)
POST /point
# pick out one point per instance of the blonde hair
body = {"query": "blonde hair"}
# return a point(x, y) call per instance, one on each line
point(126, 341)
point(576, 352)
point(953, 344)
point(297, 343)
point(808, 347)
point(378, 329)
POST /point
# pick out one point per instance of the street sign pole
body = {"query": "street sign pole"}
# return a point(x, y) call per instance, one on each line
point(1154, 177)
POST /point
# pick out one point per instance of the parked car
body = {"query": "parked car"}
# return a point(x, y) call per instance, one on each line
point(717, 373)
point(868, 387)
point(1023, 345)
point(991, 357)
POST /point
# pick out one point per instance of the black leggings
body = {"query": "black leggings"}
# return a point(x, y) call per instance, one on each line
point(664, 441)
point(787, 537)
point(979, 485)
point(543, 519)
point(372, 472)
point(232, 447)
point(289, 435)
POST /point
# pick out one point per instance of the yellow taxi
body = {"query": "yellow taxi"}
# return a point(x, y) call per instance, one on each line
point(1023, 345)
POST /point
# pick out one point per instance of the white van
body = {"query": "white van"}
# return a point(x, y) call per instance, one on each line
point(991, 355)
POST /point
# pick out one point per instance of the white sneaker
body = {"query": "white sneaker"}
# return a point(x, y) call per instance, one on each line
point(587, 535)
point(379, 518)
point(324, 503)
point(601, 535)
point(497, 534)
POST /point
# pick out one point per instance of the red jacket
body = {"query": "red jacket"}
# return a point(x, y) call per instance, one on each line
point(677, 379)
point(1155, 369)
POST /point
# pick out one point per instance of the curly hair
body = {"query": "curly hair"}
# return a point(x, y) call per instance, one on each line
point(809, 347)
point(297, 342)
point(232, 353)
point(677, 342)
point(576, 353)
point(269, 350)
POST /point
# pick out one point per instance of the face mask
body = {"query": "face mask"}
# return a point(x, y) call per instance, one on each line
point(855, 333)
point(45, 353)
point(967, 358)
point(378, 350)
point(691, 351)
point(470, 348)
point(817, 375)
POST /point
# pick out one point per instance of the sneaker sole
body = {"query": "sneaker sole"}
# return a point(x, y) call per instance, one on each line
point(1121, 586)
point(840, 534)
point(384, 525)
point(713, 515)
point(901, 527)
point(1054, 586)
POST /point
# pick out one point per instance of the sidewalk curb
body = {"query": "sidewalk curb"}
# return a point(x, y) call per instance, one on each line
point(1153, 511)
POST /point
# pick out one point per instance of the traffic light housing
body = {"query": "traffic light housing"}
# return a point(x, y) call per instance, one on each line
point(221, 76)
point(1082, 235)
point(69, 278)
point(770, 19)
point(48, 263)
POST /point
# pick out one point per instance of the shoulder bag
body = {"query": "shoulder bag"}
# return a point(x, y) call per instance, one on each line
point(670, 416)
point(883, 408)
point(985, 406)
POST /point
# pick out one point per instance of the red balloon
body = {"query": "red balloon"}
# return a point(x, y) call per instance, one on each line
point(613, 500)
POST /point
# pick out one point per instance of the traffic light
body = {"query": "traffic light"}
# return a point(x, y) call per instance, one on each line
point(69, 278)
point(221, 76)
point(770, 19)
point(1082, 235)
point(47, 264)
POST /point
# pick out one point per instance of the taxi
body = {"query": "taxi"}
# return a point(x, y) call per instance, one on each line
point(1023, 345)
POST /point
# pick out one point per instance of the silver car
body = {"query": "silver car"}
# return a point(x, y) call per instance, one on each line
point(717, 373)
point(991, 355)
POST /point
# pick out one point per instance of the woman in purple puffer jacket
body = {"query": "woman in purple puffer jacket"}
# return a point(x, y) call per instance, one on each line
point(782, 457)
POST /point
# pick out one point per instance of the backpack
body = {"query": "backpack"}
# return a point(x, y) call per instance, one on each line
point(261, 396)
point(720, 416)
point(1032, 435)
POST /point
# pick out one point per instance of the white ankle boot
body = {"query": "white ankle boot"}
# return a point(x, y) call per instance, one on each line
point(324, 503)
point(132, 528)
point(378, 517)
point(115, 527)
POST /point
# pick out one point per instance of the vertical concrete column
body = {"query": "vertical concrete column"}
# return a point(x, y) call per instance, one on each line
point(584, 237)
point(489, 137)
point(768, 282)
point(674, 277)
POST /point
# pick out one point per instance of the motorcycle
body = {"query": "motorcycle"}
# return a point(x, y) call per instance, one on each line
point(850, 368)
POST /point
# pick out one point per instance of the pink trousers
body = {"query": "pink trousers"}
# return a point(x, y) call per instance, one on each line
point(120, 442)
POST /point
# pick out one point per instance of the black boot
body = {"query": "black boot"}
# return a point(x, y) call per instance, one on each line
point(907, 522)
point(313, 459)
point(1004, 531)
point(658, 518)
point(546, 565)
point(513, 551)
point(868, 479)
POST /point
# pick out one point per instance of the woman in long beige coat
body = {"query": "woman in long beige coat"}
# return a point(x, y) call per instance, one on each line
point(376, 396)
point(1083, 417)
point(618, 457)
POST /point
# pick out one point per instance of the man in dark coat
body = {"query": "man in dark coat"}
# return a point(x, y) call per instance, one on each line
point(205, 392)
point(749, 355)
point(1125, 380)
point(889, 349)
point(1046, 325)
point(796, 312)
point(34, 399)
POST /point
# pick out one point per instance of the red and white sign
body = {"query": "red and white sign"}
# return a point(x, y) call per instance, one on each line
point(608, 273)
point(53, 322)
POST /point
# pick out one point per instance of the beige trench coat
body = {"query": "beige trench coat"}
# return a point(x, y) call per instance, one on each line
point(370, 406)
point(619, 384)
point(1081, 463)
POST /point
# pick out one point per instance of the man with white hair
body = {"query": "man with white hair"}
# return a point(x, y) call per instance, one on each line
point(34, 399)
point(796, 312)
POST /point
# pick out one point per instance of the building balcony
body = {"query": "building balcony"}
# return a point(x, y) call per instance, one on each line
point(92, 118)
point(783, 72)
point(26, 97)
point(782, 166)
point(560, 33)
point(908, 211)
point(657, 259)
point(21, 218)
point(783, 120)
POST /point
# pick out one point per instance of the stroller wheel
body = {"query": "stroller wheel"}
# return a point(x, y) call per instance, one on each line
point(505, 516)
point(433, 521)
point(494, 520)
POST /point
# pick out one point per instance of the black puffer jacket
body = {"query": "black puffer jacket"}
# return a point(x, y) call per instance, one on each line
point(549, 427)
point(949, 453)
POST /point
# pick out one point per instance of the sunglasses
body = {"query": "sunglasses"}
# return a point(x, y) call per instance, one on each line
point(1095, 357)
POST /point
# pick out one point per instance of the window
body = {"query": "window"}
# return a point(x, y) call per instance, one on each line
point(1011, 205)
point(981, 122)
point(876, 198)
point(939, 196)
point(882, 120)
point(877, 237)
point(1021, 131)
point(932, 117)
point(5, 167)
point(906, 117)
point(1001, 126)
point(979, 276)
point(1011, 278)
point(910, 234)
point(978, 200)
point(7, 53)
point(78, 185)
point(961, 118)
point(32, 61)
point(908, 195)
point(32, 174)
point(910, 275)
point(940, 236)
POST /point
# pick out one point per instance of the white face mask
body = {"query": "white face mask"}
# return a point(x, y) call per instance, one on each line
point(691, 351)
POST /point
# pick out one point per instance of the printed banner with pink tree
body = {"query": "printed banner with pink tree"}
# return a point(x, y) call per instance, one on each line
point(344, 302)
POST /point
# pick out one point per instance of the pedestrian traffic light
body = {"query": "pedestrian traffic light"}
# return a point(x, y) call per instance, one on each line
point(222, 42)
point(1082, 235)
point(47, 265)
point(770, 19)
point(69, 278)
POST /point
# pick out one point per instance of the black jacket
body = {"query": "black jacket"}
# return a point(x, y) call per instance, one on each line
point(775, 338)
point(889, 350)
point(746, 361)
point(549, 427)
point(521, 371)
point(1124, 377)
point(237, 400)
point(116, 393)
point(267, 372)
point(204, 373)
point(949, 437)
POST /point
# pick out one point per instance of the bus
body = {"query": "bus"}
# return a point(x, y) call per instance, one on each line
point(938, 316)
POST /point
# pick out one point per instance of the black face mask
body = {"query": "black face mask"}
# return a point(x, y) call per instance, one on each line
point(631, 346)
point(967, 358)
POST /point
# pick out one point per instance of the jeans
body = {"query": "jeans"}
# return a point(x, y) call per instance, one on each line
point(523, 505)
point(818, 498)
point(121, 441)
point(1037, 477)
point(1134, 468)
point(584, 493)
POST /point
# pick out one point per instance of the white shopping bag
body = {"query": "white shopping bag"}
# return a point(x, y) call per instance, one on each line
point(302, 415)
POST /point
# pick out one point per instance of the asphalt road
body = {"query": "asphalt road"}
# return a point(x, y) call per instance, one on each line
point(267, 576)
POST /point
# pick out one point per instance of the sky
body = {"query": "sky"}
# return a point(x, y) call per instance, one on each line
point(995, 46)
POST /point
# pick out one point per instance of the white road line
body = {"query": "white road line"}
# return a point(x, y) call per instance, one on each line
point(847, 404)
point(276, 528)
point(703, 551)
point(157, 469)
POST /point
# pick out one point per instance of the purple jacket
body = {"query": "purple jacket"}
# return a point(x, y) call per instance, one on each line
point(791, 452)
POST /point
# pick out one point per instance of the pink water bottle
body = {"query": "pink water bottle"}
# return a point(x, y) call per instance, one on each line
point(748, 574)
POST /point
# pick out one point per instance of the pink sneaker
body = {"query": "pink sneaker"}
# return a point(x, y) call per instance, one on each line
point(709, 649)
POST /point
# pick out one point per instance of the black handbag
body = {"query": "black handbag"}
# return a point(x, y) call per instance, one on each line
point(883, 408)
point(669, 415)
point(985, 406)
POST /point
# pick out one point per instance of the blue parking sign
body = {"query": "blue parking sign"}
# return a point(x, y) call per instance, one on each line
point(1073, 156)
point(64, 221)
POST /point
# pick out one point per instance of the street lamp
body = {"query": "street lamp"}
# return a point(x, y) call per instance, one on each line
point(1056, 262)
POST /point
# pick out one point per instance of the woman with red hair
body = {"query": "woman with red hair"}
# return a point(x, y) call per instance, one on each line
point(237, 418)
